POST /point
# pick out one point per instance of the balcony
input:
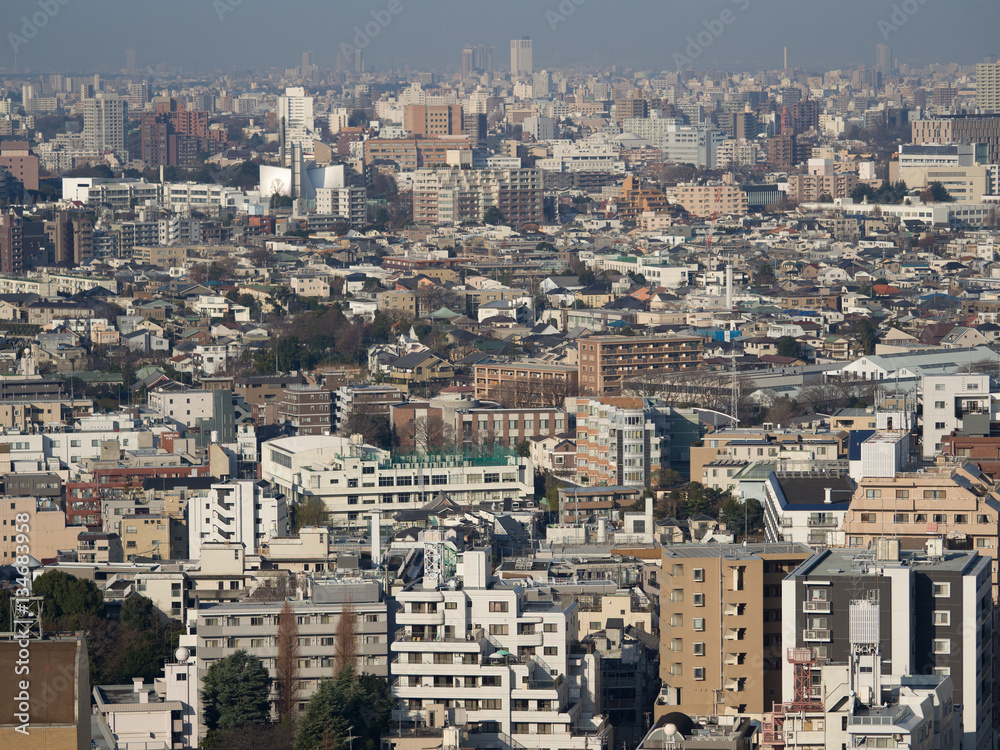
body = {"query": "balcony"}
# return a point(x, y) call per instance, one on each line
point(821, 607)
point(821, 635)
point(420, 618)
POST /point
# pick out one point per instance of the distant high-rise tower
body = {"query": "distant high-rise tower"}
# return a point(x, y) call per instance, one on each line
point(308, 65)
point(520, 57)
point(477, 59)
point(130, 66)
point(359, 61)
point(988, 87)
point(883, 60)
point(105, 123)
point(295, 119)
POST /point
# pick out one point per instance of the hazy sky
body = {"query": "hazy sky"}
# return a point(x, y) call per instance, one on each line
point(244, 34)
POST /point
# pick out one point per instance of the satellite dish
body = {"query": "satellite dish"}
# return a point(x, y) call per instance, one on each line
point(182, 654)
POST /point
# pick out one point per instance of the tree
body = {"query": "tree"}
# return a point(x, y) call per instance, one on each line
point(764, 275)
point(67, 595)
point(742, 516)
point(361, 705)
point(866, 333)
point(782, 411)
point(936, 192)
point(374, 428)
point(286, 669)
point(523, 449)
point(493, 216)
point(346, 638)
point(310, 511)
point(235, 692)
point(788, 347)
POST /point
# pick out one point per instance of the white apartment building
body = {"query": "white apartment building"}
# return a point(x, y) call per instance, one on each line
point(311, 286)
point(105, 123)
point(950, 400)
point(235, 513)
point(466, 641)
point(445, 196)
point(572, 157)
point(186, 406)
point(295, 115)
point(684, 144)
point(349, 202)
point(354, 479)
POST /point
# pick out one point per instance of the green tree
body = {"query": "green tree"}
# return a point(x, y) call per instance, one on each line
point(362, 704)
point(493, 216)
point(742, 515)
point(788, 347)
point(67, 595)
point(309, 512)
point(764, 275)
point(866, 333)
point(235, 692)
point(523, 449)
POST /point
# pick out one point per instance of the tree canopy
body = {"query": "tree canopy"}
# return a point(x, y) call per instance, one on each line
point(362, 704)
point(235, 692)
point(67, 595)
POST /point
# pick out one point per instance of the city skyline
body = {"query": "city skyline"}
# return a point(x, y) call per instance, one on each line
point(738, 34)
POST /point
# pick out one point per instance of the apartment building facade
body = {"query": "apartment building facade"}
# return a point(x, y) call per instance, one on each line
point(223, 628)
point(721, 647)
point(930, 613)
point(608, 363)
point(307, 409)
point(620, 440)
point(446, 196)
point(955, 501)
point(500, 655)
point(238, 513)
point(353, 479)
point(537, 383)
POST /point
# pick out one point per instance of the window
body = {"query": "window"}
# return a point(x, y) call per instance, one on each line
point(676, 621)
point(699, 673)
point(873, 493)
point(983, 543)
point(939, 404)
point(451, 605)
point(901, 518)
point(677, 644)
point(676, 570)
point(934, 494)
point(919, 518)
point(902, 494)
point(699, 624)
point(942, 590)
point(982, 519)
point(550, 651)
point(699, 649)
point(939, 386)
point(941, 646)
point(699, 574)
point(550, 627)
point(942, 617)
point(499, 630)
point(939, 518)
point(498, 606)
point(595, 625)
point(961, 518)
point(867, 518)
point(939, 425)
point(699, 600)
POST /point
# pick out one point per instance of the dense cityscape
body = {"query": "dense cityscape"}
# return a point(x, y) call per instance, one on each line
point(501, 404)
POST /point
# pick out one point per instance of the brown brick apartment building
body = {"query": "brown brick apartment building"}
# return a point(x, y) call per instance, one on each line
point(530, 384)
point(606, 363)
